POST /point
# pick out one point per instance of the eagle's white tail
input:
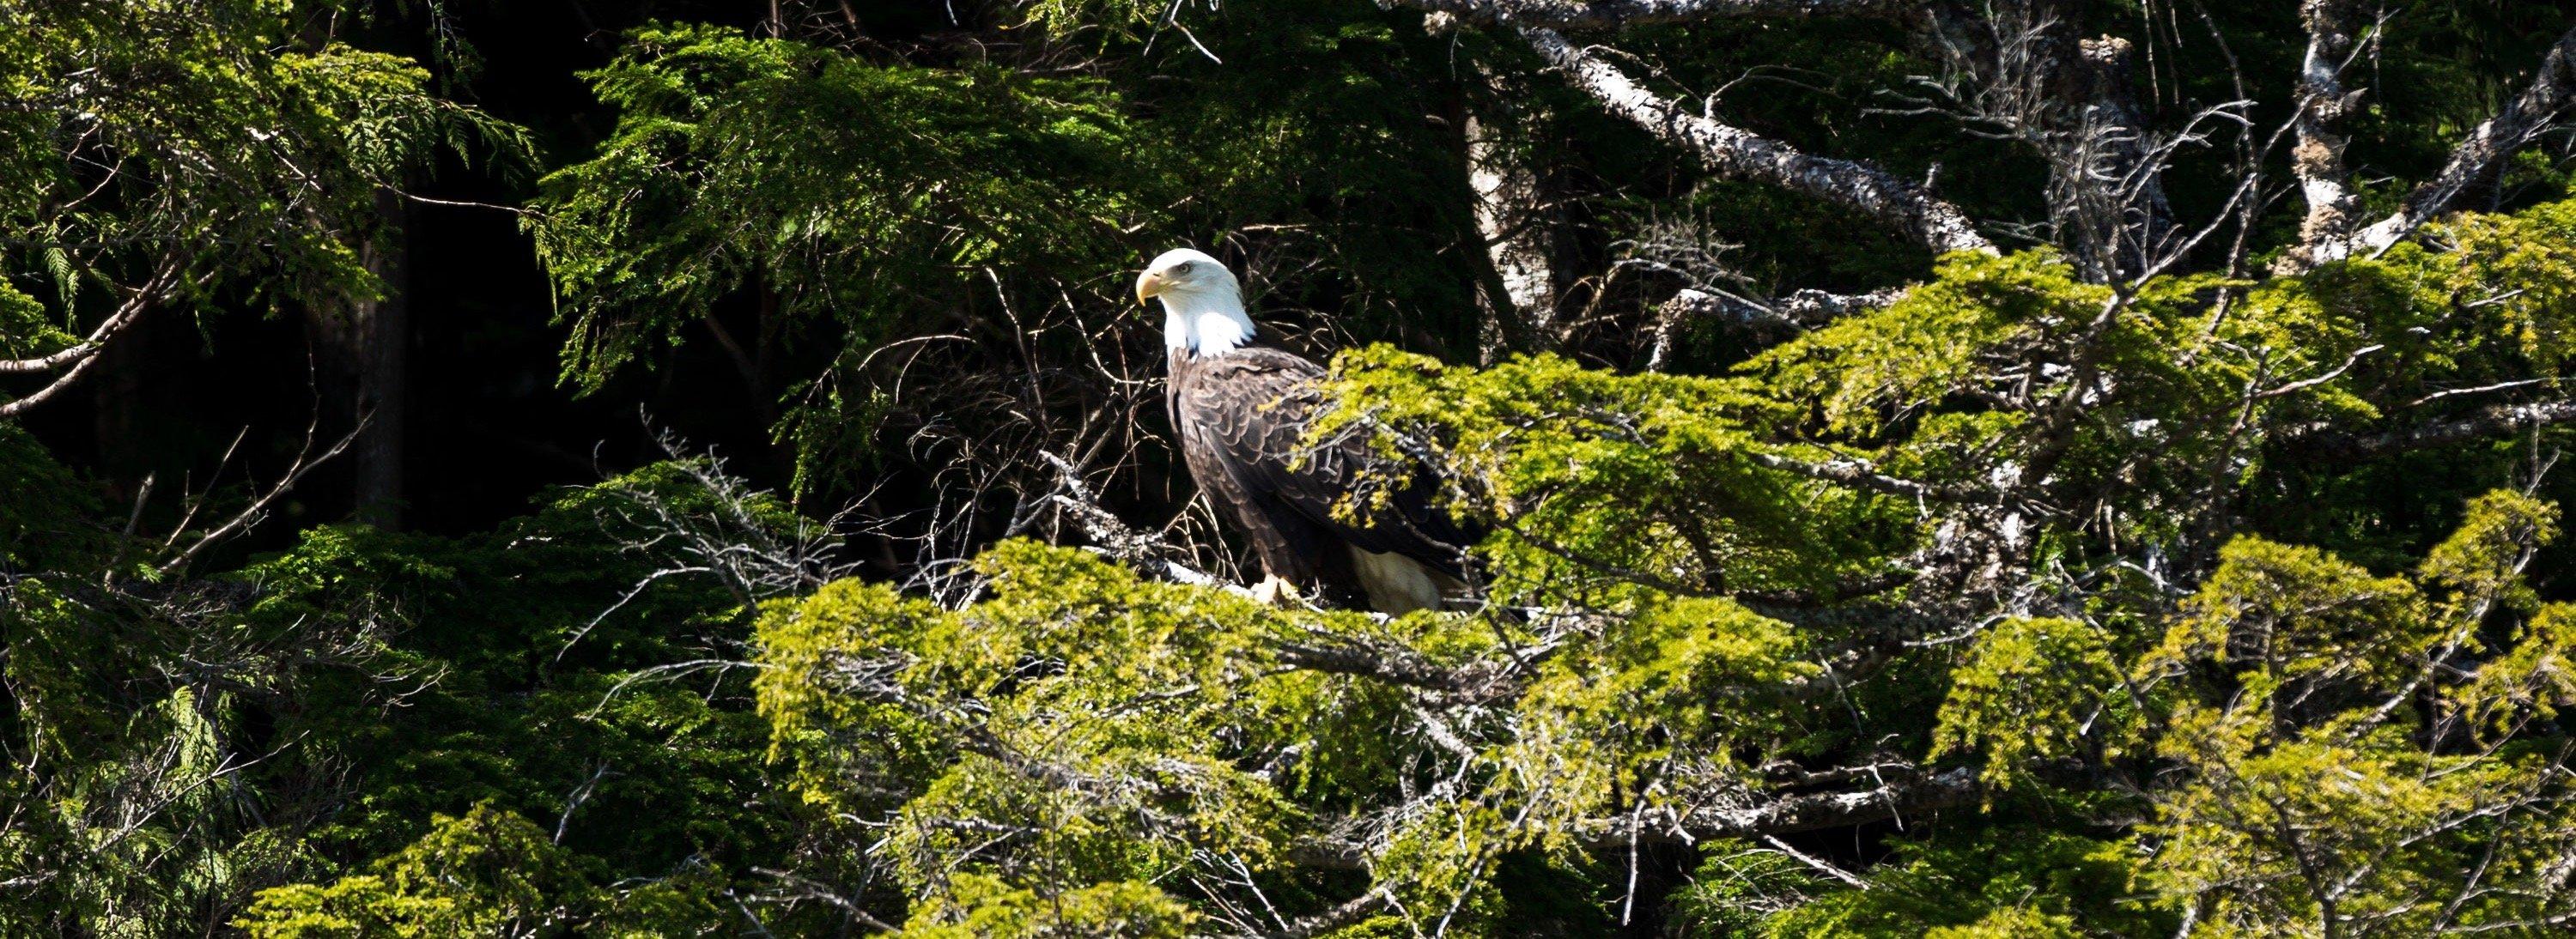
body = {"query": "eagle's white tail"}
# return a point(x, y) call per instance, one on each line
point(1396, 584)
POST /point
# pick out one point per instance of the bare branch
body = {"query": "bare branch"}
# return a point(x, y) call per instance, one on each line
point(1859, 475)
point(88, 346)
point(306, 461)
point(1112, 536)
point(1805, 309)
point(1821, 865)
point(1401, 666)
point(2491, 421)
point(2523, 119)
point(1794, 813)
point(1359, 908)
point(2307, 383)
point(82, 356)
point(52, 389)
point(1786, 814)
point(1604, 14)
point(1739, 153)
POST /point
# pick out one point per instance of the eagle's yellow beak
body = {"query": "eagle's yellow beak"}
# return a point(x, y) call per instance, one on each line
point(1148, 285)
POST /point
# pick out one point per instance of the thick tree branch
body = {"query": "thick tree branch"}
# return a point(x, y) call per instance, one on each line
point(1517, 227)
point(1794, 813)
point(1469, 684)
point(1735, 152)
point(2539, 106)
point(1805, 309)
point(1859, 475)
point(2318, 158)
point(1786, 814)
point(1580, 14)
point(52, 389)
point(1350, 913)
point(2491, 421)
point(82, 356)
point(88, 346)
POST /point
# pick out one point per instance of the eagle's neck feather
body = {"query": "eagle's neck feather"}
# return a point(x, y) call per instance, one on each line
point(1205, 322)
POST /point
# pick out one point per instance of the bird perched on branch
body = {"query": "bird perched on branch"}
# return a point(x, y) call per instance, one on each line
point(1243, 408)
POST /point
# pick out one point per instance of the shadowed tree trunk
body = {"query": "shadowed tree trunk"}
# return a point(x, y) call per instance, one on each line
point(361, 351)
point(117, 409)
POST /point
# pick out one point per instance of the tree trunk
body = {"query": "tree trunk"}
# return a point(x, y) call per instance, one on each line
point(1510, 216)
point(1515, 272)
point(118, 409)
point(362, 351)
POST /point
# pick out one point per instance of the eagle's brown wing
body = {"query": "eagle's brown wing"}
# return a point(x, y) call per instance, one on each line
point(1243, 417)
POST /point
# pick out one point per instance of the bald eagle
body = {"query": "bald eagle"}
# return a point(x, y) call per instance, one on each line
point(1242, 408)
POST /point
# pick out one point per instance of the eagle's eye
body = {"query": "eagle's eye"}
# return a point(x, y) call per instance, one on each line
point(1183, 269)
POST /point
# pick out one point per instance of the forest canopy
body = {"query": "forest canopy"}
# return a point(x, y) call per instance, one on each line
point(679, 468)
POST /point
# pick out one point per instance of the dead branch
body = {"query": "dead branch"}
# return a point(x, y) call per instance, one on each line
point(1780, 815)
point(1477, 683)
point(1860, 475)
point(2523, 119)
point(1609, 14)
point(1349, 913)
point(1735, 152)
point(2017, 70)
point(154, 290)
point(1797, 813)
point(2492, 421)
point(1802, 310)
point(306, 461)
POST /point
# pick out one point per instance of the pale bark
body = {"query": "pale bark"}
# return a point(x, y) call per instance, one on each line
point(1804, 309)
point(1785, 814)
point(1511, 218)
point(1349, 913)
point(2535, 110)
point(2487, 423)
point(88, 346)
point(2323, 105)
point(1792, 813)
point(1741, 154)
point(77, 360)
point(1860, 475)
point(63, 382)
point(2112, 172)
point(1577, 14)
point(2329, 232)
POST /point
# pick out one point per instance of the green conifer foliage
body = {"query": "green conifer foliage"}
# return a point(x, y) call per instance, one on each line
point(2030, 589)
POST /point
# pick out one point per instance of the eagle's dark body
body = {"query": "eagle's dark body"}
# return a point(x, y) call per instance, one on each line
point(1242, 415)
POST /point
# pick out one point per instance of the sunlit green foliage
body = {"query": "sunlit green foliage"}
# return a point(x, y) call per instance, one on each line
point(488, 872)
point(1079, 726)
point(1612, 479)
point(1082, 726)
point(2024, 605)
point(2033, 689)
point(2005, 881)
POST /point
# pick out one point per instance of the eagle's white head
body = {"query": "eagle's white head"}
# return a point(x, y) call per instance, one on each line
point(1202, 302)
